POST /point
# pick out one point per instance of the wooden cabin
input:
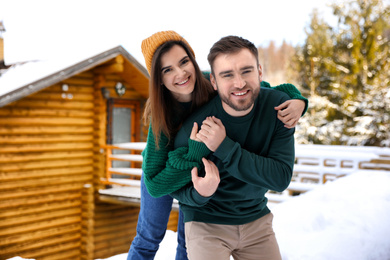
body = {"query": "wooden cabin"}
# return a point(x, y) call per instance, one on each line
point(55, 120)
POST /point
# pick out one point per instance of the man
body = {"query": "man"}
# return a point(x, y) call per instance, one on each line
point(225, 213)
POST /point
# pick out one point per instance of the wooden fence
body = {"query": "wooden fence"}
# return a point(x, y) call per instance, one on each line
point(53, 214)
point(314, 165)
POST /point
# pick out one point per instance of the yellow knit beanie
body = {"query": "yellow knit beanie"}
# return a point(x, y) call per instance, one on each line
point(150, 45)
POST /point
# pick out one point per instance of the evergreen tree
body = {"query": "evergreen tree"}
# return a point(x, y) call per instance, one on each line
point(313, 58)
point(349, 67)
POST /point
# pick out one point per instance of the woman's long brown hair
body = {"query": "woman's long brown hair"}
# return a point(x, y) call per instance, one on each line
point(161, 105)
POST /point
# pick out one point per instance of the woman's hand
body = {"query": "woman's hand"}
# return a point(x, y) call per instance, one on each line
point(290, 112)
point(194, 132)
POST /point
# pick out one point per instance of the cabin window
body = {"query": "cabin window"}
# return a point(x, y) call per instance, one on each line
point(123, 122)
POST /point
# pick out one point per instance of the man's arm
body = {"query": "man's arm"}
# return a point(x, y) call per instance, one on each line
point(189, 196)
point(273, 171)
point(206, 185)
point(203, 188)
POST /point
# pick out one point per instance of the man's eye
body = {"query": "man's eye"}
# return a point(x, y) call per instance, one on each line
point(246, 71)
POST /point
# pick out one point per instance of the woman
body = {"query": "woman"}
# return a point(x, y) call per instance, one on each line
point(177, 87)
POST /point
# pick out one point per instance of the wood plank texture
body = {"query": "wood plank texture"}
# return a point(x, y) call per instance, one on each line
point(51, 164)
point(46, 158)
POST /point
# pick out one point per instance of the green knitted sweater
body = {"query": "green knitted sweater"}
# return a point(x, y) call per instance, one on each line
point(164, 172)
point(256, 155)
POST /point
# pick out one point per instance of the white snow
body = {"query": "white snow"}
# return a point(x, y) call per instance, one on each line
point(23, 74)
point(344, 219)
point(19, 258)
point(20, 75)
point(347, 218)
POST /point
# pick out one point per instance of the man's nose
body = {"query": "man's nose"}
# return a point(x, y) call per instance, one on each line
point(239, 82)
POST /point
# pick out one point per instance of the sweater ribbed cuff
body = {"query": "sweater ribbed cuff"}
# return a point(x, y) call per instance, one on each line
point(196, 151)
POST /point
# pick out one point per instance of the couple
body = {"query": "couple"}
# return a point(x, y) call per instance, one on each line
point(217, 154)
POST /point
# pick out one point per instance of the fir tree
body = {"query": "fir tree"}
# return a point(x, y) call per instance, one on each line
point(347, 70)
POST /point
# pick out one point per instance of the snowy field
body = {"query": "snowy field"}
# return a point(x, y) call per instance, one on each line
point(345, 219)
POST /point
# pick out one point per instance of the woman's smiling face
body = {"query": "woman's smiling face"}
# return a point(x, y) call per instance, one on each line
point(178, 73)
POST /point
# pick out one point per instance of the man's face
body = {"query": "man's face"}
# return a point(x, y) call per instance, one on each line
point(237, 80)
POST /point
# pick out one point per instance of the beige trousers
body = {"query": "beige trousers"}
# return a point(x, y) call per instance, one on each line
point(253, 241)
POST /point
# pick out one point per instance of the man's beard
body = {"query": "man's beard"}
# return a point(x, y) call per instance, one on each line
point(241, 105)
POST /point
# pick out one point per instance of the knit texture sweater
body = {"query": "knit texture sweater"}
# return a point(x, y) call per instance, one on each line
point(256, 155)
point(166, 172)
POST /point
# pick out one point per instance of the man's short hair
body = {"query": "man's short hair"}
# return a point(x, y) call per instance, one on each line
point(228, 45)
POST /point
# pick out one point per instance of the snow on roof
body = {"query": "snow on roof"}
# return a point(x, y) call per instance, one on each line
point(23, 79)
point(23, 74)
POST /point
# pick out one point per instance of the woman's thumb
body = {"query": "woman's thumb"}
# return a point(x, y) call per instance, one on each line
point(194, 131)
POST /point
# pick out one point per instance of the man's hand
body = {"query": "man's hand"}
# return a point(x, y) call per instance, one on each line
point(212, 133)
point(207, 185)
point(290, 112)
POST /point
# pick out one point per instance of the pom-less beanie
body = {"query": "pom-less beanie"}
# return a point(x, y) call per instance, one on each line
point(150, 45)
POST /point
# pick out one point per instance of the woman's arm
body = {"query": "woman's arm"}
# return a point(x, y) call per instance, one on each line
point(166, 171)
point(290, 111)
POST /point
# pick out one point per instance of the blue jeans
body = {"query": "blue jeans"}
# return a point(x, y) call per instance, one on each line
point(152, 224)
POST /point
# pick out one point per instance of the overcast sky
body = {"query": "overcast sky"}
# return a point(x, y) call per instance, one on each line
point(41, 29)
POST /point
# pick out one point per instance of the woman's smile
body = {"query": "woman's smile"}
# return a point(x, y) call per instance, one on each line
point(178, 73)
point(183, 82)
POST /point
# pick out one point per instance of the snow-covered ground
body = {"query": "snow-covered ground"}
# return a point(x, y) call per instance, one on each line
point(345, 219)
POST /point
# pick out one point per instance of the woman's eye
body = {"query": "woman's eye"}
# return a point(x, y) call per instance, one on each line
point(166, 71)
point(185, 61)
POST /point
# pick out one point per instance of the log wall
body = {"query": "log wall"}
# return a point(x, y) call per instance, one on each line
point(46, 158)
point(50, 169)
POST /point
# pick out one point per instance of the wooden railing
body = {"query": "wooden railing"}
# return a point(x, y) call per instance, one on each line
point(126, 176)
point(322, 163)
point(314, 165)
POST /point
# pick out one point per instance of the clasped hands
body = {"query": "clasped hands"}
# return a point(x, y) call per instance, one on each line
point(211, 133)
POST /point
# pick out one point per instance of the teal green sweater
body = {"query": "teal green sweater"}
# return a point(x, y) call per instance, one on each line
point(256, 155)
point(165, 174)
